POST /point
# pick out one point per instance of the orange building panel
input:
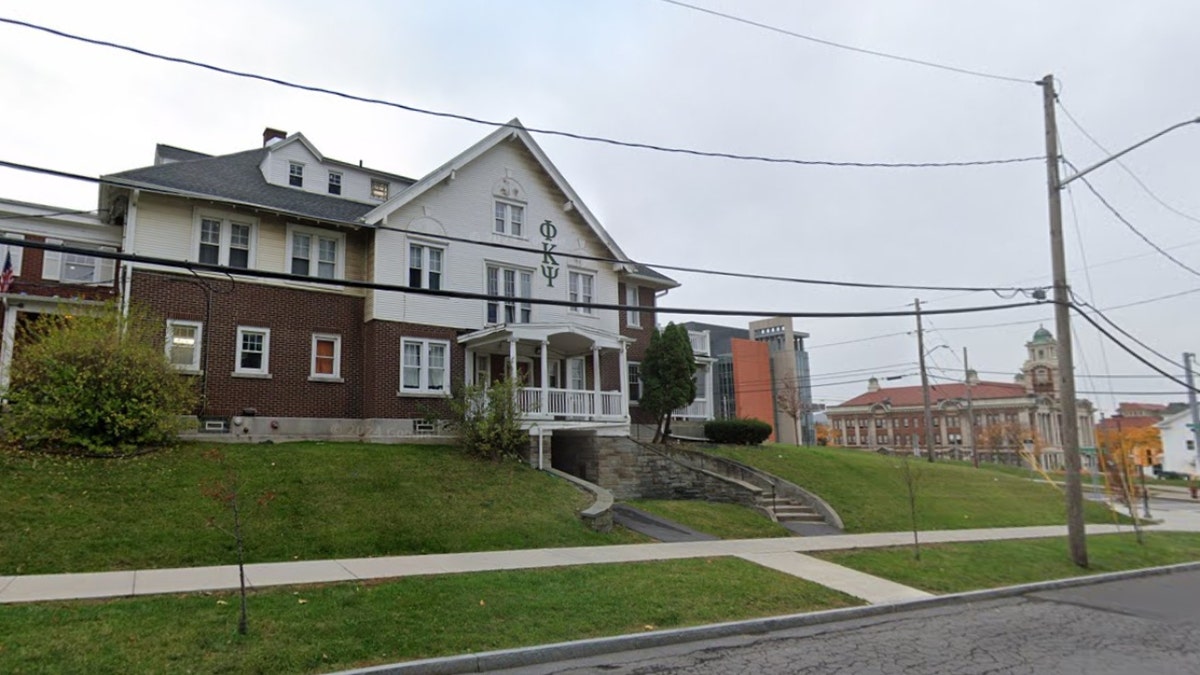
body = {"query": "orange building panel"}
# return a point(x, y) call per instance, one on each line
point(752, 381)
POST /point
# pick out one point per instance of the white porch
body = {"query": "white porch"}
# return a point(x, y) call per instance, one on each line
point(562, 370)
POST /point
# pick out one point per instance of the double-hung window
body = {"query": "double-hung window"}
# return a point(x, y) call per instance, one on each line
point(326, 357)
point(253, 351)
point(515, 285)
point(295, 174)
point(225, 240)
point(633, 317)
point(335, 183)
point(379, 189)
point(184, 344)
point(580, 290)
point(77, 268)
point(510, 219)
point(635, 381)
point(14, 254)
point(425, 266)
point(424, 366)
point(316, 253)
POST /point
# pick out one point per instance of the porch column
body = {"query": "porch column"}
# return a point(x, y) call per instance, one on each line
point(545, 377)
point(6, 345)
point(710, 397)
point(623, 364)
point(512, 359)
point(469, 368)
point(596, 407)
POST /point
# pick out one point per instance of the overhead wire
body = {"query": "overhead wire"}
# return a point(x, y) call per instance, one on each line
point(554, 252)
point(851, 48)
point(466, 295)
point(1125, 167)
point(504, 125)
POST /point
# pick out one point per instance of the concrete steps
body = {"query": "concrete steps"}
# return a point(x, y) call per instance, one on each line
point(788, 511)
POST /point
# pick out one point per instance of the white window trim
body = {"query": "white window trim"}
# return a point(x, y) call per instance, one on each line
point(387, 189)
point(336, 376)
point(292, 163)
point(641, 385)
point(227, 219)
point(341, 183)
point(197, 357)
point(582, 311)
point(518, 300)
point(508, 218)
point(633, 317)
point(18, 252)
point(423, 389)
point(339, 270)
point(265, 371)
point(426, 244)
point(103, 269)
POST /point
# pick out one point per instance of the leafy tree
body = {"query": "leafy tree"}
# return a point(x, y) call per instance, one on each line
point(96, 383)
point(667, 371)
point(487, 420)
point(827, 435)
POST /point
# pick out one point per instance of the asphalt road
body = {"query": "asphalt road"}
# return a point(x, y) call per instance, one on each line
point(1147, 625)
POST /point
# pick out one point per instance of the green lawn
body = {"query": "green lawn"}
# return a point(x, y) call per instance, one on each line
point(411, 618)
point(951, 568)
point(727, 521)
point(60, 514)
point(867, 491)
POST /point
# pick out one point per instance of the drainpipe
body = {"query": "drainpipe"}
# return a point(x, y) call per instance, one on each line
point(127, 245)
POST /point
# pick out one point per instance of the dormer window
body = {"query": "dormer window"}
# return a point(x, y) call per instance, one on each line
point(295, 174)
point(379, 189)
point(335, 183)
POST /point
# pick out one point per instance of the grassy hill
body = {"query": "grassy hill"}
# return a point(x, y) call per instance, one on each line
point(868, 492)
point(62, 514)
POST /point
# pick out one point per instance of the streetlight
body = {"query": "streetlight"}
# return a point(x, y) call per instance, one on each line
point(1076, 534)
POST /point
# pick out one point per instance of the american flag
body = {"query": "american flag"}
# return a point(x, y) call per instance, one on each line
point(6, 277)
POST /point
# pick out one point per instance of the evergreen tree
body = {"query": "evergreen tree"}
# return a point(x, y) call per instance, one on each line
point(667, 376)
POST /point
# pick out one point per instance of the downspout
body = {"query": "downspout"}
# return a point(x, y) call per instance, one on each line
point(127, 245)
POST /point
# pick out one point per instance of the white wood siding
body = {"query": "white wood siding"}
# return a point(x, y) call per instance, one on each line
point(356, 183)
point(463, 207)
point(166, 229)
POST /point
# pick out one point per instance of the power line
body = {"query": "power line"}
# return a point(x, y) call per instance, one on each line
point(503, 125)
point(859, 50)
point(527, 249)
point(53, 214)
point(1123, 165)
point(865, 339)
point(1132, 337)
point(1131, 226)
point(1130, 351)
point(466, 295)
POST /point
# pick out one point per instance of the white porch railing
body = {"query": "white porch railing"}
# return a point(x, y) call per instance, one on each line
point(571, 403)
point(698, 409)
point(699, 340)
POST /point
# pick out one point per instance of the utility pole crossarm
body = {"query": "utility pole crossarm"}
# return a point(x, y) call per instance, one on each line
point(1083, 172)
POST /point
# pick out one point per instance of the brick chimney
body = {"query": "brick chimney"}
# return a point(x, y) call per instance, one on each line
point(272, 136)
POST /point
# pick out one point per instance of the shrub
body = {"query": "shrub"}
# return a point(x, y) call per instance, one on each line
point(487, 421)
point(737, 431)
point(96, 384)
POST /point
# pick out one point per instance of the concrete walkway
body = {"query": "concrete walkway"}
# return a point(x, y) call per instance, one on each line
point(777, 553)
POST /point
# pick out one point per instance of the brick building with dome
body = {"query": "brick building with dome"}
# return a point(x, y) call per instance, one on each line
point(1006, 414)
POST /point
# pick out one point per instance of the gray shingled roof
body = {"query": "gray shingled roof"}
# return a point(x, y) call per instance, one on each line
point(174, 154)
point(237, 178)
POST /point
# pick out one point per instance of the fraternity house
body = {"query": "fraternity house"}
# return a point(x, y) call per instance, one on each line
point(293, 358)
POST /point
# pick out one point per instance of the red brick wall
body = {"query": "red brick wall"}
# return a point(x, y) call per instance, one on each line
point(381, 342)
point(30, 281)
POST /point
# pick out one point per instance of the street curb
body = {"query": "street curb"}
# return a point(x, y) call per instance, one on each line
point(527, 656)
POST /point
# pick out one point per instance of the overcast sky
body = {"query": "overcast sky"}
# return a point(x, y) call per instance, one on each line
point(649, 71)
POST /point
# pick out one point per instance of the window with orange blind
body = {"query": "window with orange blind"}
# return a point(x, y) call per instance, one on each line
point(326, 357)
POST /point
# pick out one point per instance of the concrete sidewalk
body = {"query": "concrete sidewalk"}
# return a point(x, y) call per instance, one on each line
point(778, 553)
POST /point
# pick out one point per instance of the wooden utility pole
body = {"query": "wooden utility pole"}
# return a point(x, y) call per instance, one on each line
point(970, 410)
point(924, 384)
point(1076, 536)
